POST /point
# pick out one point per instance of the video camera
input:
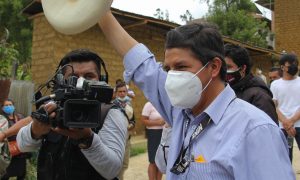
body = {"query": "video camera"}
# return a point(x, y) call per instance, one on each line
point(78, 101)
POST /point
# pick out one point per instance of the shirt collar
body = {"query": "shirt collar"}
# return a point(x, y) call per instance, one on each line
point(218, 107)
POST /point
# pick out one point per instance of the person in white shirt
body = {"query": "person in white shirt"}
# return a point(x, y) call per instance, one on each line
point(286, 96)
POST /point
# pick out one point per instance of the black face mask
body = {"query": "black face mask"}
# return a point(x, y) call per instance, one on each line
point(232, 77)
point(293, 69)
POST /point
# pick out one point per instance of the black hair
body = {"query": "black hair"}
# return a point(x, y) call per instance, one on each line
point(290, 58)
point(84, 55)
point(119, 85)
point(7, 99)
point(2, 104)
point(118, 81)
point(203, 39)
point(239, 55)
point(278, 69)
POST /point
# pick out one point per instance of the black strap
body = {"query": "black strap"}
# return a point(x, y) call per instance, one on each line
point(164, 151)
point(104, 111)
point(198, 130)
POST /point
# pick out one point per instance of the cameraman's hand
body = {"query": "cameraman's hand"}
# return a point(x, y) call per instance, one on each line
point(74, 133)
point(38, 129)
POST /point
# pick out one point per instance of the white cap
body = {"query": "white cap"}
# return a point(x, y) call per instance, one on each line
point(74, 16)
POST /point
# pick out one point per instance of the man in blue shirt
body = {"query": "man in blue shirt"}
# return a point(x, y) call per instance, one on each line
point(214, 134)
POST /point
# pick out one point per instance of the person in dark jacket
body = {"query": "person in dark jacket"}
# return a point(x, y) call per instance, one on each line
point(247, 86)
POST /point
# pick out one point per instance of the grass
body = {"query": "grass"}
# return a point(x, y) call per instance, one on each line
point(137, 150)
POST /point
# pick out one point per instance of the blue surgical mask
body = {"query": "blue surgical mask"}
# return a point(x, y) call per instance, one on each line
point(9, 109)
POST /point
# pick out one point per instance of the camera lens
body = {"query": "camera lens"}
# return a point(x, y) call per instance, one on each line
point(79, 116)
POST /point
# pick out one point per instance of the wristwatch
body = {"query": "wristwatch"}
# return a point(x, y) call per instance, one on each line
point(85, 143)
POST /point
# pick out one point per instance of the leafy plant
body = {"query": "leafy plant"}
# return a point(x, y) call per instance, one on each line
point(235, 19)
point(9, 56)
point(18, 25)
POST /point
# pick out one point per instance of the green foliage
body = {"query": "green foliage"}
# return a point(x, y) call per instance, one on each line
point(234, 18)
point(8, 56)
point(31, 168)
point(18, 25)
point(15, 39)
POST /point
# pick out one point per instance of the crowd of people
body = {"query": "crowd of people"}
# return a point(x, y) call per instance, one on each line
point(207, 116)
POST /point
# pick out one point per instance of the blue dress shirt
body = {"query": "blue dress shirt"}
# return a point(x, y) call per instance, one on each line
point(242, 143)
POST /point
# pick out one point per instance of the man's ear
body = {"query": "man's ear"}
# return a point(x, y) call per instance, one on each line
point(216, 65)
point(243, 70)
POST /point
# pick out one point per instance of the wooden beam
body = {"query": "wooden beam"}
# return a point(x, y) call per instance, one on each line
point(139, 23)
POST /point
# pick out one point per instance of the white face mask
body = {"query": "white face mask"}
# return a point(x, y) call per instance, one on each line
point(184, 88)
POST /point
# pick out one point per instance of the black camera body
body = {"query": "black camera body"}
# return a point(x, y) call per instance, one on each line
point(78, 102)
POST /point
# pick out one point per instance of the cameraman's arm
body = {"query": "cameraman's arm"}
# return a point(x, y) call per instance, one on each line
point(107, 150)
point(28, 137)
point(13, 130)
point(25, 141)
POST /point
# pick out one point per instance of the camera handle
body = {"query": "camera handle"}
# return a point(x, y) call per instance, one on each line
point(41, 115)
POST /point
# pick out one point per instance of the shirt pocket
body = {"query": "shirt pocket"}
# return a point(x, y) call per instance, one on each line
point(200, 171)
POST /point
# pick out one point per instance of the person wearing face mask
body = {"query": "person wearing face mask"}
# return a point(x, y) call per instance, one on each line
point(246, 86)
point(130, 93)
point(286, 96)
point(17, 166)
point(214, 134)
point(124, 101)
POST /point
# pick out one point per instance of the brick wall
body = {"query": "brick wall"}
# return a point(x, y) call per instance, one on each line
point(287, 25)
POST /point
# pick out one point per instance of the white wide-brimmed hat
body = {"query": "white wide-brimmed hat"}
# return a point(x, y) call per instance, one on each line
point(74, 16)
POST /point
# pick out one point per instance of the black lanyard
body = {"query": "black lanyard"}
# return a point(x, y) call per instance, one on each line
point(198, 130)
point(181, 162)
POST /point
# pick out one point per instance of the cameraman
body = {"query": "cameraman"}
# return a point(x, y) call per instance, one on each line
point(97, 155)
